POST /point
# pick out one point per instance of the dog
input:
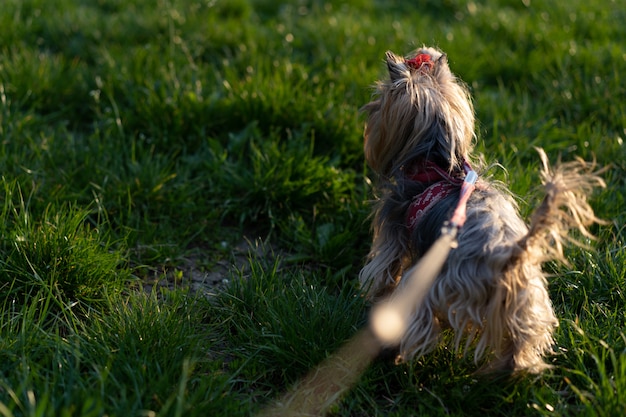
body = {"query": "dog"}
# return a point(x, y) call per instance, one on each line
point(492, 292)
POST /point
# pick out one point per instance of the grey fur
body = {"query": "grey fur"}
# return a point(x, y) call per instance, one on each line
point(492, 289)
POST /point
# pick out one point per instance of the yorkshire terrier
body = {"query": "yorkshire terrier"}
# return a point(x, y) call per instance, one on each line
point(492, 291)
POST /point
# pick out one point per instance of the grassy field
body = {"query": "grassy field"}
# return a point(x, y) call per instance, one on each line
point(146, 140)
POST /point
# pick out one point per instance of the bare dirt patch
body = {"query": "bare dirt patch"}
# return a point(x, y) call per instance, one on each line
point(201, 274)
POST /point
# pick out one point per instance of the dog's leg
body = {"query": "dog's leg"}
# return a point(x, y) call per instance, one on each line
point(520, 322)
point(423, 334)
point(528, 313)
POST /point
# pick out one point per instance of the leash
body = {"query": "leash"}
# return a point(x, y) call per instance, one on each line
point(469, 185)
point(390, 319)
point(330, 380)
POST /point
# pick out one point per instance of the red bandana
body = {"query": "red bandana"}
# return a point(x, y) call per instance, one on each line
point(442, 185)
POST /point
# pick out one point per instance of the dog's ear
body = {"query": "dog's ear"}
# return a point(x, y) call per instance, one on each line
point(397, 67)
point(442, 60)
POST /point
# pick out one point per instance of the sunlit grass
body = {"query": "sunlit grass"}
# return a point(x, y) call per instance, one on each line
point(135, 133)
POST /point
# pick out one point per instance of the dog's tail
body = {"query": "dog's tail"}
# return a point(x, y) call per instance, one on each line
point(564, 209)
point(563, 216)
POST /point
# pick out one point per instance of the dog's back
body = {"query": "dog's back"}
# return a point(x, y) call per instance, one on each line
point(418, 138)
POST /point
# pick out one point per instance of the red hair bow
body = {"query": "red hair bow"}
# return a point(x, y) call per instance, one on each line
point(418, 61)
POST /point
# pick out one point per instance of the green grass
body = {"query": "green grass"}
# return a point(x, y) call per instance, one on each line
point(138, 135)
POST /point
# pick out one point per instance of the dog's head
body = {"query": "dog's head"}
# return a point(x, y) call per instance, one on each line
point(422, 111)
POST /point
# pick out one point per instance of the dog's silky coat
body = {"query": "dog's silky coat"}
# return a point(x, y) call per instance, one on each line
point(491, 290)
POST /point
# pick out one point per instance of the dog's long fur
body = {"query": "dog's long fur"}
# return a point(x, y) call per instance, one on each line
point(492, 289)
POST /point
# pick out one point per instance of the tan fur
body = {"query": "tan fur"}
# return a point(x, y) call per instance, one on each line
point(492, 290)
